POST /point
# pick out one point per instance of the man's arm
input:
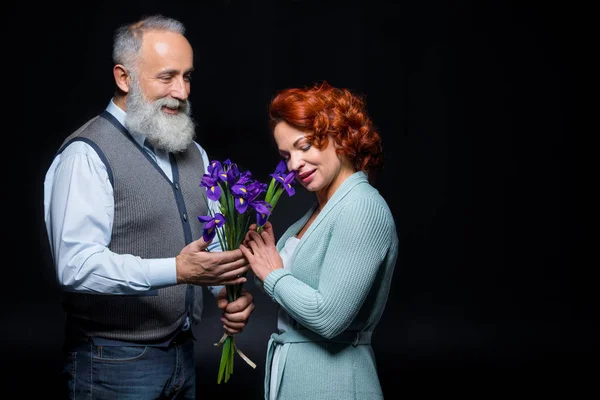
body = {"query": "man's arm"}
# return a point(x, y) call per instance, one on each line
point(79, 210)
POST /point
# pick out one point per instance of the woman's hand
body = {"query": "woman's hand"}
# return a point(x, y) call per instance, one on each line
point(261, 252)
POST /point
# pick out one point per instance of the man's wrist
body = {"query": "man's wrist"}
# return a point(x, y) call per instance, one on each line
point(180, 268)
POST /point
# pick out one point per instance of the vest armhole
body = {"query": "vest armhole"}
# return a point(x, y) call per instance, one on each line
point(98, 151)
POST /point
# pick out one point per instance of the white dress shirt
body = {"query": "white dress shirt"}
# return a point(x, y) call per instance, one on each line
point(79, 211)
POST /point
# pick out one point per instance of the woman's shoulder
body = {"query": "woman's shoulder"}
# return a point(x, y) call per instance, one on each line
point(364, 202)
point(366, 196)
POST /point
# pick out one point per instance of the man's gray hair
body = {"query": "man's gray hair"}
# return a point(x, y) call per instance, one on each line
point(128, 38)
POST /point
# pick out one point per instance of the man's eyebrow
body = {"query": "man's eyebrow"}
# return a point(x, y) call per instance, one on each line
point(175, 71)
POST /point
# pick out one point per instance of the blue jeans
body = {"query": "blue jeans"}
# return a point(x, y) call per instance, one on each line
point(129, 372)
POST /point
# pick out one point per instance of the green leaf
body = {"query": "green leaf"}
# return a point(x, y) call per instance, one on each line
point(270, 190)
point(276, 198)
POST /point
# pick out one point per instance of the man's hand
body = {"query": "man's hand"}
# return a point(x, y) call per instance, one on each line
point(200, 267)
point(195, 246)
point(235, 314)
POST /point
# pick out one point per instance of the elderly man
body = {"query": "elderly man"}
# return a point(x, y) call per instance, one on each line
point(122, 200)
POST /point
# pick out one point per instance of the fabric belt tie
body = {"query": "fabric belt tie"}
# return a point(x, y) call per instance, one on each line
point(301, 336)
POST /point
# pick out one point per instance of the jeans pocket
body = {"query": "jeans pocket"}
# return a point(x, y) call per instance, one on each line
point(119, 353)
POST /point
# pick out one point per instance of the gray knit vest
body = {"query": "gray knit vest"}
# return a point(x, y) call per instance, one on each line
point(153, 218)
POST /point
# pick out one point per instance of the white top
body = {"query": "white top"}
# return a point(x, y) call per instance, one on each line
point(284, 321)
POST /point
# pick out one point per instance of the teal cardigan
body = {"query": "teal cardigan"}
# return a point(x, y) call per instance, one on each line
point(336, 293)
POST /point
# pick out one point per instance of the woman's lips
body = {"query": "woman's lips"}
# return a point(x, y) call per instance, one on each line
point(306, 177)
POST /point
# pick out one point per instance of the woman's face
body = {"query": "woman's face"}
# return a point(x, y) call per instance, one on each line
point(320, 171)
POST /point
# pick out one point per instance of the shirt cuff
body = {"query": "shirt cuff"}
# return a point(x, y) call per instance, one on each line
point(215, 290)
point(162, 272)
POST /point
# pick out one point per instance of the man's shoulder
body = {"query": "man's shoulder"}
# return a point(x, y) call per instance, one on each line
point(90, 129)
point(199, 147)
point(81, 128)
point(91, 125)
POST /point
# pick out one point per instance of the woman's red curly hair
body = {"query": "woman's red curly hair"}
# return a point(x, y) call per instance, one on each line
point(323, 111)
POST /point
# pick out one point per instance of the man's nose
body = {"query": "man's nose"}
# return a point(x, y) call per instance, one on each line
point(180, 89)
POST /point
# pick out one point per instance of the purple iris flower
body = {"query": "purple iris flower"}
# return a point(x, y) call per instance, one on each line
point(284, 177)
point(214, 168)
point(281, 169)
point(245, 190)
point(262, 206)
point(239, 190)
point(288, 181)
point(210, 225)
point(222, 175)
point(241, 204)
point(213, 191)
point(254, 189)
point(230, 173)
point(263, 210)
point(245, 177)
point(240, 194)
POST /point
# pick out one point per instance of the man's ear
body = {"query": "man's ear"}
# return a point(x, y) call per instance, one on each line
point(122, 78)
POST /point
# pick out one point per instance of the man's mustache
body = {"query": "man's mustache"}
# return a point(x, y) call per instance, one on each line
point(182, 105)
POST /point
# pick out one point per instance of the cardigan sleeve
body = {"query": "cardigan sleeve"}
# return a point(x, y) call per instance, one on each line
point(358, 244)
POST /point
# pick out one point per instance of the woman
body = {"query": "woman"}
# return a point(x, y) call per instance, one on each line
point(330, 272)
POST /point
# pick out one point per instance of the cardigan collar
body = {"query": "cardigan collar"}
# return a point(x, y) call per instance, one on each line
point(346, 186)
point(353, 180)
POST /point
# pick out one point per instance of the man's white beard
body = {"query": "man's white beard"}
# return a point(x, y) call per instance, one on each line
point(173, 133)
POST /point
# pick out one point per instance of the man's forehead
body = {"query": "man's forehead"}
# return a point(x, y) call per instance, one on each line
point(164, 42)
point(166, 50)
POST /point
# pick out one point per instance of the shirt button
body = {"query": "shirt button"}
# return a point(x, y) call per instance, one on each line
point(176, 186)
point(184, 216)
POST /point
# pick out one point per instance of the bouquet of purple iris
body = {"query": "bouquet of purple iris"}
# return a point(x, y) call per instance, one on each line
point(238, 196)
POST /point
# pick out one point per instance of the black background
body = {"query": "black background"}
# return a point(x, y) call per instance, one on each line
point(476, 103)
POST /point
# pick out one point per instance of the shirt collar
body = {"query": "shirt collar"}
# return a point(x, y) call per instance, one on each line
point(120, 115)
